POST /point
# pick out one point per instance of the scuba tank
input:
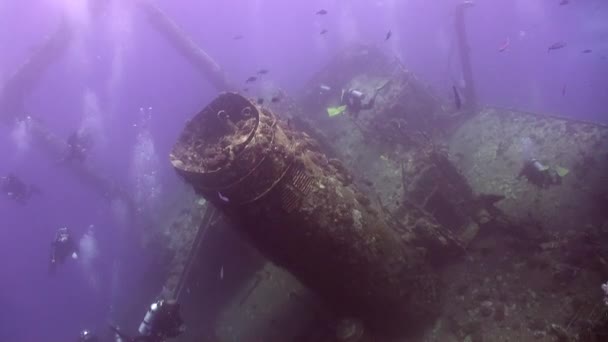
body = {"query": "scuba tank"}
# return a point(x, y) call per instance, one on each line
point(356, 93)
point(349, 97)
point(145, 328)
point(538, 166)
point(162, 320)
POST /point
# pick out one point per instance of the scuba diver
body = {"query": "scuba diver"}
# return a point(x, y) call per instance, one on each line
point(161, 322)
point(63, 246)
point(353, 100)
point(16, 189)
point(79, 145)
point(538, 174)
point(87, 336)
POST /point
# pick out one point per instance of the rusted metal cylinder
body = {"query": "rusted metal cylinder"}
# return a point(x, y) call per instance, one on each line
point(299, 208)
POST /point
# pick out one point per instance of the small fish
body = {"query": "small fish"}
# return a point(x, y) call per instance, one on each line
point(323, 32)
point(457, 100)
point(325, 87)
point(222, 273)
point(388, 35)
point(263, 72)
point(505, 45)
point(587, 51)
point(564, 2)
point(556, 46)
point(275, 99)
point(321, 12)
point(564, 90)
point(251, 79)
point(238, 37)
point(260, 101)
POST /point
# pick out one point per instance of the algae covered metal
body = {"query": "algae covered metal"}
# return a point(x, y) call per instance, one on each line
point(301, 210)
point(493, 147)
point(398, 143)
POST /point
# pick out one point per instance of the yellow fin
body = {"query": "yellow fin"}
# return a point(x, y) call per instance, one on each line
point(333, 111)
point(561, 171)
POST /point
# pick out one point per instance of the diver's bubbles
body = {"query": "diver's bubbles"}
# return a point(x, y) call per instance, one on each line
point(528, 149)
point(88, 248)
point(91, 124)
point(145, 165)
point(120, 211)
point(88, 254)
point(20, 136)
point(145, 116)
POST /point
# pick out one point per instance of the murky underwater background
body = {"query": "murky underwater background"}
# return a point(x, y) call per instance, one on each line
point(121, 82)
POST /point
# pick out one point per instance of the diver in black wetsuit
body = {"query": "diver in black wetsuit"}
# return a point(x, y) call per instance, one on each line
point(79, 145)
point(538, 174)
point(62, 247)
point(16, 189)
point(161, 322)
point(353, 100)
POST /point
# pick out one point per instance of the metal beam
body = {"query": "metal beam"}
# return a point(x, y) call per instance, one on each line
point(465, 59)
point(210, 69)
point(25, 78)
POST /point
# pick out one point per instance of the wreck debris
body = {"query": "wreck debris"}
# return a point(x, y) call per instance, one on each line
point(499, 145)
